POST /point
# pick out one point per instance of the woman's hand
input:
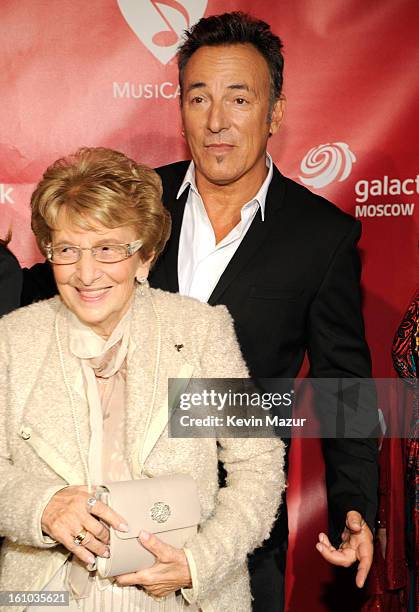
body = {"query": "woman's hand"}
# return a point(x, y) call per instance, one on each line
point(169, 573)
point(68, 515)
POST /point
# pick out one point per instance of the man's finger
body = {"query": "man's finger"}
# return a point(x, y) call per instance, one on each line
point(365, 554)
point(361, 576)
point(324, 539)
point(354, 520)
point(343, 557)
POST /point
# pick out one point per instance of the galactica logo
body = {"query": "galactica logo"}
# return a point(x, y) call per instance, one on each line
point(326, 163)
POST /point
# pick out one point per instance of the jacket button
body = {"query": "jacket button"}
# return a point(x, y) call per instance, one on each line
point(25, 432)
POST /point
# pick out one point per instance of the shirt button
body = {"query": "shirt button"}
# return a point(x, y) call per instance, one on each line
point(25, 432)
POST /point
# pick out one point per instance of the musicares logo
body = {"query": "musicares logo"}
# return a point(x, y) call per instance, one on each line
point(159, 24)
point(325, 163)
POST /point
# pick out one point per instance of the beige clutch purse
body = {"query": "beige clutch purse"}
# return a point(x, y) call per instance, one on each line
point(167, 506)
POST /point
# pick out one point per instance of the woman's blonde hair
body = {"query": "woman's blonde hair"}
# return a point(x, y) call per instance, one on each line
point(104, 186)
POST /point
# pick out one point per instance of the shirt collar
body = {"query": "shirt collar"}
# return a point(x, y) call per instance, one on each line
point(260, 197)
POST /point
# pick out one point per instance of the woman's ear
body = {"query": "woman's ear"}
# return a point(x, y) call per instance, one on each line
point(143, 268)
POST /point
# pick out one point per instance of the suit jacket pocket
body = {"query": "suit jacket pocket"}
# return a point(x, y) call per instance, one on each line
point(274, 292)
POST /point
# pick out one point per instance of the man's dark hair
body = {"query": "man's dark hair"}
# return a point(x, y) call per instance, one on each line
point(235, 28)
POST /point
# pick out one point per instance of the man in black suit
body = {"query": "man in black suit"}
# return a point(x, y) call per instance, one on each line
point(283, 260)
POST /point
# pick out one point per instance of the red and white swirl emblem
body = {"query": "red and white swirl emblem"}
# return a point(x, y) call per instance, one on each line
point(325, 163)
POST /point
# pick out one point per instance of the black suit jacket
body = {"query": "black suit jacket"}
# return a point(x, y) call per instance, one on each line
point(10, 281)
point(293, 286)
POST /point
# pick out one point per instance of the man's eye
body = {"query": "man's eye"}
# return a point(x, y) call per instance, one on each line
point(197, 100)
point(241, 101)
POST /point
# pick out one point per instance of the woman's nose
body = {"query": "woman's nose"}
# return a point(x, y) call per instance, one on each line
point(88, 269)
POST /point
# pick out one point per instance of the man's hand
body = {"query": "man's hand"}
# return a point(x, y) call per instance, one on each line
point(169, 573)
point(357, 545)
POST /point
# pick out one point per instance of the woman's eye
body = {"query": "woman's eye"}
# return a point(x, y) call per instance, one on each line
point(197, 100)
point(241, 101)
point(106, 249)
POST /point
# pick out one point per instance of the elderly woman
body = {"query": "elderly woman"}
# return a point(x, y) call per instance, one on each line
point(83, 380)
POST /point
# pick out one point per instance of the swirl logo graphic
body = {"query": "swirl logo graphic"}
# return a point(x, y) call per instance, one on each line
point(325, 163)
point(159, 24)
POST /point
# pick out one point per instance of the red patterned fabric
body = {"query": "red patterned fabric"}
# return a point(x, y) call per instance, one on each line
point(393, 581)
point(405, 359)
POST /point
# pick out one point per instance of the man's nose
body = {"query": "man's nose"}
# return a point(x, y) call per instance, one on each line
point(88, 269)
point(218, 118)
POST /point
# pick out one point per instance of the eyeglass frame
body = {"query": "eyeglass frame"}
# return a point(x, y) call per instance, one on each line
point(131, 249)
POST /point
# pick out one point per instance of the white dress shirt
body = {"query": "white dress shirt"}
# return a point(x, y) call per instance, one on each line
point(201, 261)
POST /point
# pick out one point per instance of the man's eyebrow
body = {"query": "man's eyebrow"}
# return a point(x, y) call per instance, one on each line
point(196, 85)
point(239, 86)
point(201, 85)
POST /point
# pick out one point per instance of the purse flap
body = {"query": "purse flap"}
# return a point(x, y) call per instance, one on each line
point(155, 504)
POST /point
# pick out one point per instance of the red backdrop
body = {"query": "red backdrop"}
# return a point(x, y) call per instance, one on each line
point(103, 73)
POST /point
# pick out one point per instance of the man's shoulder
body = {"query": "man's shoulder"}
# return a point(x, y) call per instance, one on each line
point(7, 260)
point(172, 174)
point(183, 306)
point(310, 207)
point(188, 316)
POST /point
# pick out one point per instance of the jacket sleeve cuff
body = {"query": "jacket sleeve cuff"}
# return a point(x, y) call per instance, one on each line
point(191, 594)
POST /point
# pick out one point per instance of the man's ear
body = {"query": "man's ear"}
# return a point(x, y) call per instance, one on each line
point(277, 115)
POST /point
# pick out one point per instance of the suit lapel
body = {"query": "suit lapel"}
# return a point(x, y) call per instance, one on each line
point(170, 257)
point(254, 239)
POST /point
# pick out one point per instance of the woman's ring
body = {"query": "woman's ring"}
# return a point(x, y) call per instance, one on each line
point(90, 503)
point(78, 540)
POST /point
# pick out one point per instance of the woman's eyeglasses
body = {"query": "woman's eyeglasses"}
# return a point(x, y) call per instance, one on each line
point(105, 253)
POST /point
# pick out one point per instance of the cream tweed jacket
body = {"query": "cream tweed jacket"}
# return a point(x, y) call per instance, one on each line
point(39, 453)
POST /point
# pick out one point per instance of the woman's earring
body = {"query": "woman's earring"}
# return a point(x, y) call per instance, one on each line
point(142, 280)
